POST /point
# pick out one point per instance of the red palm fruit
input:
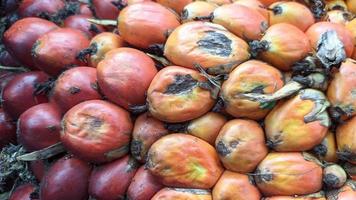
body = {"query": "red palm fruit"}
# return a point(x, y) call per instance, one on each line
point(5, 77)
point(351, 26)
point(180, 160)
point(35, 8)
point(234, 143)
point(254, 4)
point(235, 186)
point(105, 9)
point(177, 6)
point(197, 9)
point(66, 179)
point(315, 196)
point(143, 185)
point(175, 95)
point(6, 59)
point(110, 181)
point(282, 45)
point(339, 17)
point(268, 2)
point(84, 9)
point(182, 194)
point(215, 48)
point(74, 86)
point(326, 150)
point(7, 129)
point(335, 5)
point(81, 22)
point(145, 24)
point(250, 76)
point(351, 6)
point(128, 64)
point(22, 35)
point(299, 123)
point(284, 173)
point(38, 169)
point(318, 29)
point(207, 127)
point(23, 192)
point(57, 50)
point(96, 136)
point(291, 12)
point(345, 139)
point(334, 176)
point(39, 127)
point(341, 89)
point(101, 44)
point(347, 192)
point(147, 130)
point(20, 93)
point(245, 22)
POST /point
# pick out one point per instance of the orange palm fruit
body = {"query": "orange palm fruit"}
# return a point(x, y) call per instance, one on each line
point(345, 139)
point(182, 194)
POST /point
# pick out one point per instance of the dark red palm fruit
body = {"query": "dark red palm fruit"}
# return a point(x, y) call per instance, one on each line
point(57, 50)
point(97, 131)
point(6, 59)
point(147, 23)
point(74, 86)
point(105, 9)
point(5, 77)
point(128, 64)
point(147, 130)
point(20, 93)
point(110, 181)
point(39, 127)
point(38, 169)
point(66, 179)
point(8, 6)
point(23, 192)
point(21, 36)
point(7, 129)
point(84, 9)
point(143, 185)
point(318, 29)
point(81, 22)
point(36, 8)
point(169, 193)
point(235, 186)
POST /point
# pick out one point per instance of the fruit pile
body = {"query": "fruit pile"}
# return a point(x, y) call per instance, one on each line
point(184, 99)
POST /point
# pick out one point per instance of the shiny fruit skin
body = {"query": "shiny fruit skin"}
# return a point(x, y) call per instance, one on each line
point(125, 75)
point(23, 192)
point(7, 129)
point(180, 160)
point(80, 22)
point(34, 8)
point(96, 136)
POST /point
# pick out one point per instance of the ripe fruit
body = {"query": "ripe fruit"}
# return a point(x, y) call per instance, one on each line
point(7, 129)
point(96, 136)
point(346, 144)
point(23, 192)
point(181, 160)
point(36, 8)
point(254, 4)
point(197, 9)
point(326, 150)
point(182, 194)
point(80, 22)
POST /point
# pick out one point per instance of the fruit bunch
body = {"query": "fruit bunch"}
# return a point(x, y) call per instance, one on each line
point(185, 99)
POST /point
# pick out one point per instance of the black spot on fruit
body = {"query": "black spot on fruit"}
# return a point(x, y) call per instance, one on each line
point(216, 44)
point(181, 84)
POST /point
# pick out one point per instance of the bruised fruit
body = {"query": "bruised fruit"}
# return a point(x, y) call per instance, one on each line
point(125, 75)
point(146, 131)
point(182, 194)
point(342, 90)
point(74, 86)
point(7, 129)
point(57, 50)
point(334, 176)
point(22, 35)
point(285, 173)
point(235, 186)
point(110, 181)
point(97, 136)
point(326, 150)
point(80, 22)
point(143, 185)
point(197, 9)
point(250, 76)
point(66, 179)
point(207, 44)
point(176, 94)
point(299, 123)
point(181, 160)
point(291, 12)
point(346, 143)
point(23, 192)
point(241, 145)
point(101, 44)
point(145, 24)
point(39, 127)
point(282, 45)
point(21, 93)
